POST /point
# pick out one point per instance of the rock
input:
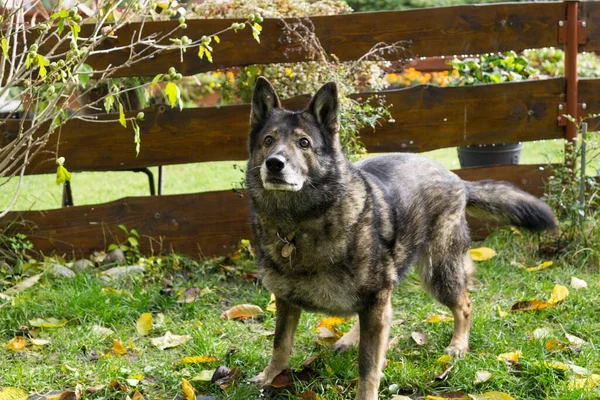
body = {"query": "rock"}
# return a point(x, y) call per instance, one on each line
point(60, 270)
point(114, 257)
point(118, 272)
point(82, 265)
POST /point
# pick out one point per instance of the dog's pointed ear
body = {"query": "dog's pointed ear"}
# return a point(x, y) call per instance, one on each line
point(325, 107)
point(264, 101)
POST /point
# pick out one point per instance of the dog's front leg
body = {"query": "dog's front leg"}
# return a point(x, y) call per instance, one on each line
point(288, 316)
point(374, 334)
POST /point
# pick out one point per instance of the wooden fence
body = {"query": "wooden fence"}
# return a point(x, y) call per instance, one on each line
point(427, 118)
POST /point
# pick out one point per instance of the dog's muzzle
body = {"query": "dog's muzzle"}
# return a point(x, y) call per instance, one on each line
point(277, 175)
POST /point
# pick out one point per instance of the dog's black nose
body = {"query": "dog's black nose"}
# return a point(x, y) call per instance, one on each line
point(275, 163)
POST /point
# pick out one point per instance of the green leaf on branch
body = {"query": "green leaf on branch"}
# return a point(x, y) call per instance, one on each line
point(122, 116)
point(256, 29)
point(217, 39)
point(5, 47)
point(62, 175)
point(136, 138)
point(61, 26)
point(84, 73)
point(109, 102)
point(75, 29)
point(172, 92)
point(42, 62)
point(155, 80)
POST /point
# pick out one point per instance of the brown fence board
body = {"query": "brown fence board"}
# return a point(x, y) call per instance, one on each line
point(589, 11)
point(427, 118)
point(589, 93)
point(205, 223)
point(429, 32)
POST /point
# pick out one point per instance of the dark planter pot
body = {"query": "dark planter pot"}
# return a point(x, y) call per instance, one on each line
point(489, 154)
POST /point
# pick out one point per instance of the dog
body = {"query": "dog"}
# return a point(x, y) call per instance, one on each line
point(337, 238)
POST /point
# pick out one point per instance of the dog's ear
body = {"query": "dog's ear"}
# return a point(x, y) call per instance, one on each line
point(264, 101)
point(325, 107)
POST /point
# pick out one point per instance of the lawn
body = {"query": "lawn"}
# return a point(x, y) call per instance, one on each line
point(78, 354)
point(40, 191)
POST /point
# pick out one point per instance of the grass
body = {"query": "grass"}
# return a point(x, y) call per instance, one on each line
point(40, 191)
point(68, 360)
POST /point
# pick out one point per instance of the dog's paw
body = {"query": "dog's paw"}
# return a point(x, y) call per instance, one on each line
point(266, 377)
point(456, 350)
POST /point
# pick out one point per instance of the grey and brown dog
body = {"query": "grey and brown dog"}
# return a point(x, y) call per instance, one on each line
point(337, 237)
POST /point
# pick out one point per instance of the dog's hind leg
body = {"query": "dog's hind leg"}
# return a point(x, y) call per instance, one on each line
point(288, 316)
point(374, 334)
point(349, 340)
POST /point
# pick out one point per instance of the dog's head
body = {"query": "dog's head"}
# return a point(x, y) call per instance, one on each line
point(292, 151)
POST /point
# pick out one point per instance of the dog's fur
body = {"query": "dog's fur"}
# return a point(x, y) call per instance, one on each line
point(336, 237)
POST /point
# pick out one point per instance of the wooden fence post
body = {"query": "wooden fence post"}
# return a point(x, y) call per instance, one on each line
point(569, 35)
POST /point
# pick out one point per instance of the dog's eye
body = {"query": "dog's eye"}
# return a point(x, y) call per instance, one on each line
point(269, 140)
point(304, 143)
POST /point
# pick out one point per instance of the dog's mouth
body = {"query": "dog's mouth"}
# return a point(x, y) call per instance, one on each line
point(273, 183)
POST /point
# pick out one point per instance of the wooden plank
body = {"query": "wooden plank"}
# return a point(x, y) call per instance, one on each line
point(589, 93)
point(589, 11)
point(426, 32)
point(203, 223)
point(426, 118)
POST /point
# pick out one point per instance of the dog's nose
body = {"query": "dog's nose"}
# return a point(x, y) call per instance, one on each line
point(275, 163)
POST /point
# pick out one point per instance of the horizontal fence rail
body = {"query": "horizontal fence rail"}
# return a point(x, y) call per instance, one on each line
point(209, 223)
point(426, 118)
point(447, 31)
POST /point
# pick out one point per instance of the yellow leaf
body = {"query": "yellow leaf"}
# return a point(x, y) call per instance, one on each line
point(17, 344)
point(491, 396)
point(589, 383)
point(518, 264)
point(438, 318)
point(188, 390)
point(39, 342)
point(556, 365)
point(172, 93)
point(501, 313)
point(5, 47)
point(122, 119)
point(554, 345)
point(116, 291)
point(242, 311)
point(25, 284)
point(540, 267)
point(144, 324)
point(482, 376)
point(217, 39)
point(11, 393)
point(445, 359)
point(272, 306)
point(205, 375)
point(169, 340)
point(559, 293)
point(330, 322)
point(48, 323)
point(42, 62)
point(482, 253)
point(62, 175)
point(198, 359)
point(118, 347)
point(512, 357)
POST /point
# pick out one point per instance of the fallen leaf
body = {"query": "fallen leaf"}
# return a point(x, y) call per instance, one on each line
point(118, 347)
point(66, 395)
point(288, 377)
point(559, 293)
point(188, 390)
point(491, 396)
point(132, 382)
point(501, 313)
point(518, 264)
point(541, 333)
point(190, 295)
point(11, 393)
point(205, 375)
point(482, 376)
point(224, 376)
point(419, 337)
point(94, 389)
point(540, 267)
point(116, 385)
point(117, 291)
point(17, 344)
point(39, 342)
point(556, 365)
point(444, 374)
point(48, 323)
point(331, 322)
point(575, 340)
point(198, 359)
point(308, 395)
point(482, 253)
point(144, 324)
point(137, 396)
point(169, 340)
point(589, 383)
point(398, 397)
point(101, 331)
point(530, 305)
point(272, 306)
point(25, 284)
point(512, 357)
point(438, 318)
point(577, 283)
point(553, 345)
point(451, 395)
point(242, 311)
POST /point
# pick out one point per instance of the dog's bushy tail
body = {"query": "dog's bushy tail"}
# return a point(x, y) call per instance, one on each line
point(507, 204)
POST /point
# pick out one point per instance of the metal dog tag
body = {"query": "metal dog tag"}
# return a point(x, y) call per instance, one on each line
point(287, 250)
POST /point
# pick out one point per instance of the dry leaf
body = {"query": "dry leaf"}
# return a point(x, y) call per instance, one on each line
point(39, 342)
point(242, 311)
point(118, 347)
point(101, 331)
point(117, 292)
point(559, 293)
point(272, 306)
point(198, 359)
point(491, 396)
point(553, 345)
point(17, 344)
point(144, 324)
point(190, 295)
point(419, 337)
point(575, 340)
point(205, 375)
point(224, 376)
point(530, 305)
point(501, 313)
point(438, 318)
point(450, 395)
point(48, 323)
point(482, 376)
point(398, 397)
point(556, 365)
point(540, 267)
point(288, 377)
point(11, 393)
point(518, 264)
point(331, 322)
point(137, 396)
point(541, 333)
point(169, 340)
point(512, 357)
point(589, 383)
point(482, 253)
point(308, 395)
point(188, 390)
point(577, 283)
point(444, 374)
point(25, 284)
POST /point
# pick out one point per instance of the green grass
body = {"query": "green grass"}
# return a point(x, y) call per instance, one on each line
point(40, 191)
point(66, 362)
